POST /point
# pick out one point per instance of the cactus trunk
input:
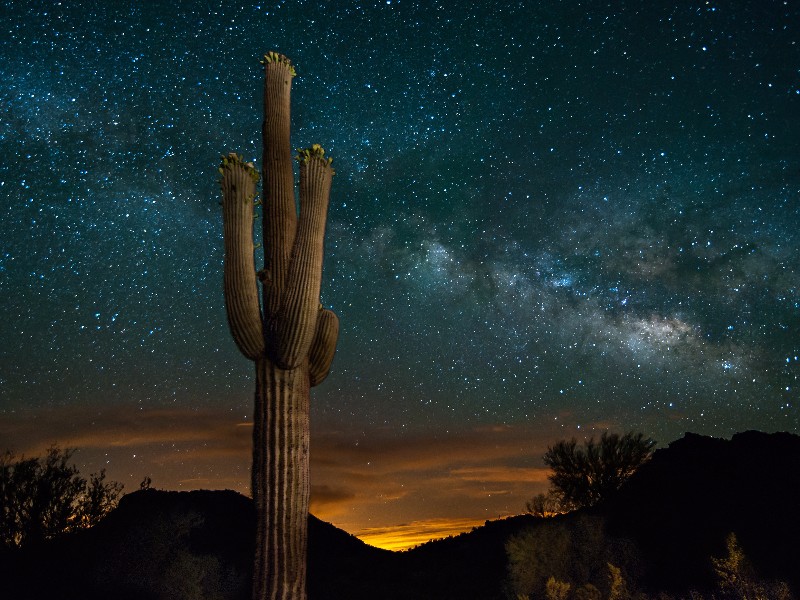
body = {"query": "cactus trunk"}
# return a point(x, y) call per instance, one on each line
point(280, 481)
point(291, 340)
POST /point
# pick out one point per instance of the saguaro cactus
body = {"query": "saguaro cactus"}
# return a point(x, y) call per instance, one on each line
point(289, 335)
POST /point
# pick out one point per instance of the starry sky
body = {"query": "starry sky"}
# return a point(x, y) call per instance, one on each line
point(549, 219)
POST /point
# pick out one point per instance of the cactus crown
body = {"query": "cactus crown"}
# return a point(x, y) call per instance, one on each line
point(315, 151)
point(236, 159)
point(275, 57)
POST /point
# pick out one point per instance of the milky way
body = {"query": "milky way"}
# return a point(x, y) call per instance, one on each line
point(544, 212)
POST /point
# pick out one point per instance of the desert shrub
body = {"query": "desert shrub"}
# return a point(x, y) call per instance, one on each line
point(556, 590)
point(41, 498)
point(737, 580)
point(574, 551)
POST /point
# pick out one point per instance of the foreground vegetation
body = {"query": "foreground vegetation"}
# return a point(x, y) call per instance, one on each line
point(577, 560)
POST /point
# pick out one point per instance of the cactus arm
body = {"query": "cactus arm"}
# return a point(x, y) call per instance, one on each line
point(323, 346)
point(280, 210)
point(297, 319)
point(238, 185)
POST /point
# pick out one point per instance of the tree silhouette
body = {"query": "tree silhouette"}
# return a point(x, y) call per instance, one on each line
point(41, 498)
point(583, 476)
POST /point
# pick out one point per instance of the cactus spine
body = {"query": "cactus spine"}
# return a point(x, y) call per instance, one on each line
point(289, 335)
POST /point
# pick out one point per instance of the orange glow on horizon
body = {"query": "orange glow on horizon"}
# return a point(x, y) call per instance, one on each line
point(392, 491)
point(404, 537)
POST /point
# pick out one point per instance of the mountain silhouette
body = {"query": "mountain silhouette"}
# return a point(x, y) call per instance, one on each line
point(680, 506)
point(678, 509)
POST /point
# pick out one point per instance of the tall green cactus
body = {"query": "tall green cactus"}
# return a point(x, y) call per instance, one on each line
point(289, 336)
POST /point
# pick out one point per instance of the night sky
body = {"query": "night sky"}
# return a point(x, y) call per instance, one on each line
point(549, 219)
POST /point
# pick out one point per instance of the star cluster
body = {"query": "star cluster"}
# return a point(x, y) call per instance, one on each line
point(564, 216)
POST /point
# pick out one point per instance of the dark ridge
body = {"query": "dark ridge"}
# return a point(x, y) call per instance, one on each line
point(681, 505)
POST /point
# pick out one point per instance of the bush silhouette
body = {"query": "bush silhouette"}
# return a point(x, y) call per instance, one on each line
point(41, 498)
point(584, 476)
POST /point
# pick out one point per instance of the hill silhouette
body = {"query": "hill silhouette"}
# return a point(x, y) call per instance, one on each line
point(677, 509)
point(680, 506)
point(173, 545)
